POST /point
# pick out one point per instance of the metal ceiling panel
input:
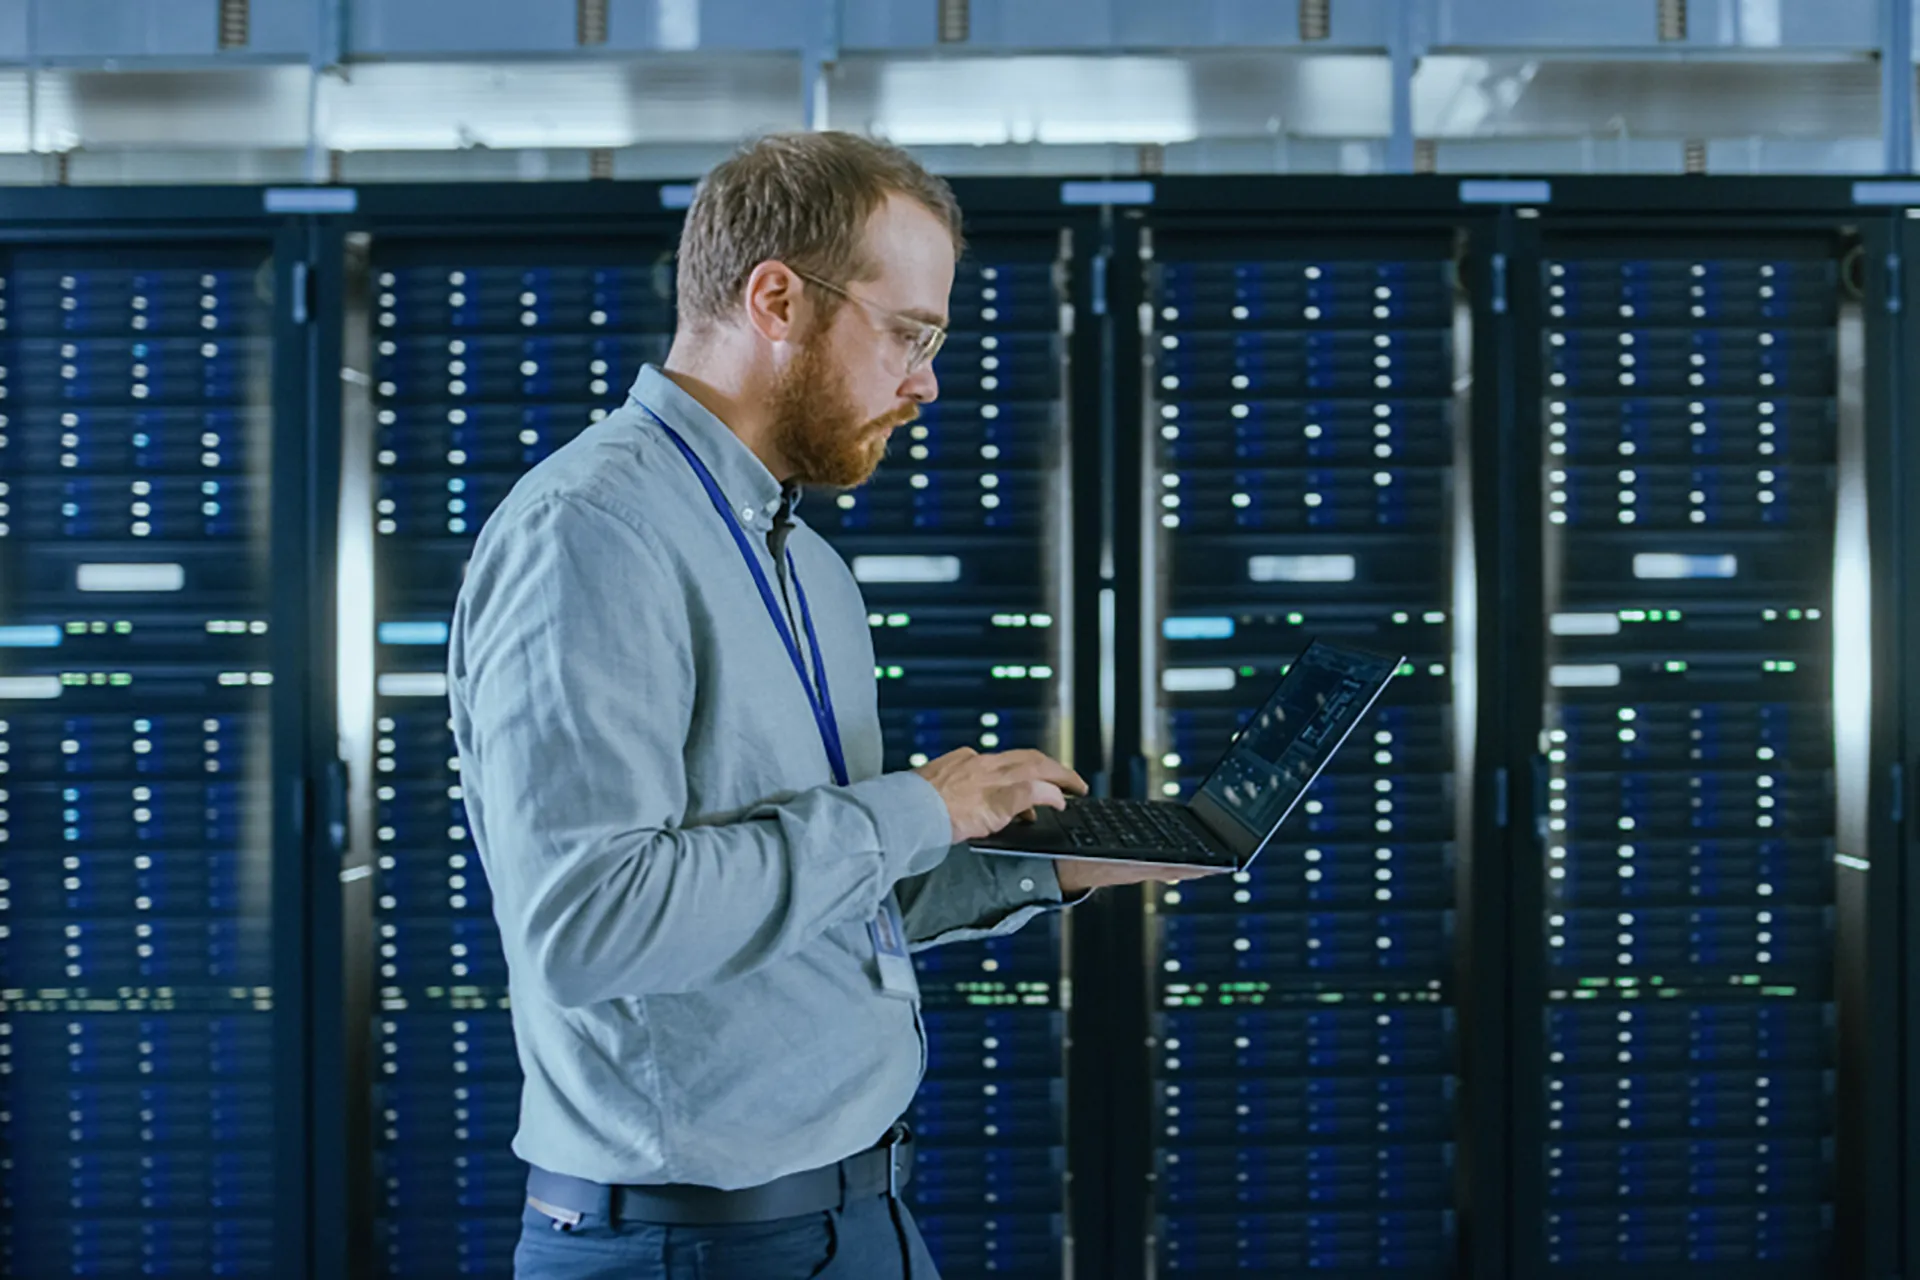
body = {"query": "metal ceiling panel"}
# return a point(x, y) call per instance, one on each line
point(98, 29)
point(1245, 24)
point(14, 42)
point(598, 103)
point(244, 107)
point(1457, 96)
point(284, 28)
point(1731, 25)
point(1058, 99)
point(414, 29)
point(668, 26)
point(1139, 25)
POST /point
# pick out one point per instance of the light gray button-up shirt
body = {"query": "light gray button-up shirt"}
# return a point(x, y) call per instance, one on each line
point(682, 892)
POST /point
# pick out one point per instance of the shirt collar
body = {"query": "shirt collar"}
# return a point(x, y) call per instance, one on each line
point(750, 488)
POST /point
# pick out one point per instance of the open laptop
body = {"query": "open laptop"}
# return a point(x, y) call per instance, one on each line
point(1267, 768)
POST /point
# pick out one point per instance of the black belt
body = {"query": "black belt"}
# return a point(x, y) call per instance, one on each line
point(881, 1170)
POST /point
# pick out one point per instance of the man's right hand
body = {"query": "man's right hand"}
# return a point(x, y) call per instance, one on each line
point(985, 793)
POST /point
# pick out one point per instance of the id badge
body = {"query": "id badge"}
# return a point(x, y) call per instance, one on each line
point(889, 934)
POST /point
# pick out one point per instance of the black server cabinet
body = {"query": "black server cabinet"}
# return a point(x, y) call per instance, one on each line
point(962, 545)
point(477, 349)
point(153, 813)
point(1698, 960)
point(474, 347)
point(1302, 467)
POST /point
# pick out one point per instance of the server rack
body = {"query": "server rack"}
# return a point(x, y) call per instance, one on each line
point(202, 1074)
point(154, 924)
point(963, 548)
point(962, 545)
point(475, 348)
point(1700, 962)
point(1304, 465)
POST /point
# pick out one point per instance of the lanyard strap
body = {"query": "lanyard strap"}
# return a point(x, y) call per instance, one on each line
point(822, 701)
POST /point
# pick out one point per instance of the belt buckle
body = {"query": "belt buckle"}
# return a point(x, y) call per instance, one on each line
point(897, 1137)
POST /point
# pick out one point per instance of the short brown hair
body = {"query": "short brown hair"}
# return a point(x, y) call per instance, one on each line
point(803, 199)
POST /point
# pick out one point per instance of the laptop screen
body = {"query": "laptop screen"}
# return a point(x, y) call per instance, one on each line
point(1289, 741)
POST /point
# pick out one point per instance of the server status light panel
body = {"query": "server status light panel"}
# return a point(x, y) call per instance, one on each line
point(486, 358)
point(1301, 417)
point(1684, 1091)
point(139, 1102)
point(960, 547)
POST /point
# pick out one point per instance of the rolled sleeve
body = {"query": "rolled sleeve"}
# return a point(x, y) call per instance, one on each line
point(973, 895)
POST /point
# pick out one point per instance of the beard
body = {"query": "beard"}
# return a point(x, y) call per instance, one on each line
point(817, 429)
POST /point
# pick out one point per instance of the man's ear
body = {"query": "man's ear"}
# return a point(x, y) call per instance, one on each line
point(773, 300)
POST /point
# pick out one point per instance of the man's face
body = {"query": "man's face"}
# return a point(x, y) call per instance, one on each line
point(847, 389)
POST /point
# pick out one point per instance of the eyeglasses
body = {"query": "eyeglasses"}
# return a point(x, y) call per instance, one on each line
point(919, 340)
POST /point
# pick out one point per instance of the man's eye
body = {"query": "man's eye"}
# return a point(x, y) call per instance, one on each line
point(906, 337)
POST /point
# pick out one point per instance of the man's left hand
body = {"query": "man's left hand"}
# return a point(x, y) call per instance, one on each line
point(1077, 877)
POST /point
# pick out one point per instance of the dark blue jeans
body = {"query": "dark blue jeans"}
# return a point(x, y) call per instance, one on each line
point(857, 1242)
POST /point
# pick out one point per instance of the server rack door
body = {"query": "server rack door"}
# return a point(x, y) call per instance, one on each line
point(962, 548)
point(1305, 395)
point(483, 352)
point(1902, 477)
point(151, 925)
point(1675, 1051)
point(482, 355)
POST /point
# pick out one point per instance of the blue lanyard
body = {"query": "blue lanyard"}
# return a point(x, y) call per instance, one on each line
point(821, 701)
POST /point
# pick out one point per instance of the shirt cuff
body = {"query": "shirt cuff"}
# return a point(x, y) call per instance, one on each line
point(911, 820)
point(1042, 880)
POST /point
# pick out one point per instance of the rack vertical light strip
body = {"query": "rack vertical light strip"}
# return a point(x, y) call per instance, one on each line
point(1685, 1100)
point(959, 546)
point(138, 1090)
point(487, 357)
point(1301, 423)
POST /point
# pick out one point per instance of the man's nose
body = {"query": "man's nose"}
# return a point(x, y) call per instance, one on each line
point(921, 386)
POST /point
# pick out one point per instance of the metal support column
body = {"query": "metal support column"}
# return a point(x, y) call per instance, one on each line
point(822, 52)
point(1403, 53)
point(1896, 84)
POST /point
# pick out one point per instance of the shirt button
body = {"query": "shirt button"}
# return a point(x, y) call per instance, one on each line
point(746, 513)
point(1026, 886)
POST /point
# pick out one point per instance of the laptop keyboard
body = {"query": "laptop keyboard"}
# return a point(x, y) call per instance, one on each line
point(1130, 824)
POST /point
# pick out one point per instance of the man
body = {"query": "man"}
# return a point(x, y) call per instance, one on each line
point(664, 702)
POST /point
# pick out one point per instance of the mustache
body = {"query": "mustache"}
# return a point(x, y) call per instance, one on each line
point(897, 419)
